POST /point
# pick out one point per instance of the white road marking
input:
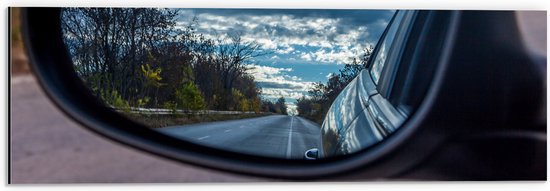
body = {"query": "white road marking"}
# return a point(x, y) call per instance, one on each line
point(288, 146)
point(227, 130)
point(241, 126)
point(201, 138)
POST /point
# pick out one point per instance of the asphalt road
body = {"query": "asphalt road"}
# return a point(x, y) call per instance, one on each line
point(278, 136)
point(47, 147)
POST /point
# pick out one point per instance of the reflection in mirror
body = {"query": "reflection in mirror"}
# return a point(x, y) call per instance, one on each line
point(253, 81)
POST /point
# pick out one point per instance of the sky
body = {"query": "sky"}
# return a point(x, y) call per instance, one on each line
point(305, 46)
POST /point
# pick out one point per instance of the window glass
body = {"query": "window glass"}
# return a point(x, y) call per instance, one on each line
point(381, 55)
point(415, 76)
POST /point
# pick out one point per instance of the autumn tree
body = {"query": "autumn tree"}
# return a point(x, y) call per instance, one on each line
point(140, 56)
point(109, 45)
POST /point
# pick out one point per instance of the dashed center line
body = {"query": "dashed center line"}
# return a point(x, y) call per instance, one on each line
point(227, 130)
point(288, 146)
point(201, 138)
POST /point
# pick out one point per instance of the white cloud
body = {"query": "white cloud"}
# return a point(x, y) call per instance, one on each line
point(291, 108)
point(281, 33)
point(286, 50)
point(332, 56)
point(250, 25)
point(303, 39)
point(350, 38)
point(278, 83)
point(265, 72)
point(265, 43)
point(305, 56)
point(277, 77)
point(274, 93)
point(295, 78)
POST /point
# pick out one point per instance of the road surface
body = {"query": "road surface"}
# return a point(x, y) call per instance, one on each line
point(278, 136)
point(47, 147)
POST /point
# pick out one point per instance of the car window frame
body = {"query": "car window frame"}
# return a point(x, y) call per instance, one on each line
point(395, 58)
point(378, 48)
point(415, 60)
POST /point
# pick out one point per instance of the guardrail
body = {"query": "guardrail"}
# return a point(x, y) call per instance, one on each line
point(162, 111)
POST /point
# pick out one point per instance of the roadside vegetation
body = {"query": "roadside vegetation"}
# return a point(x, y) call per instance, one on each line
point(140, 58)
point(159, 121)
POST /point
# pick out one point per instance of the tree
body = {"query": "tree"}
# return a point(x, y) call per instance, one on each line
point(280, 106)
point(268, 106)
point(151, 79)
point(225, 68)
point(237, 100)
point(142, 55)
point(304, 106)
point(323, 95)
point(256, 104)
point(232, 55)
point(108, 45)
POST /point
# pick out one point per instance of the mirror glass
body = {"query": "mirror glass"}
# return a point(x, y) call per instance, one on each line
point(273, 83)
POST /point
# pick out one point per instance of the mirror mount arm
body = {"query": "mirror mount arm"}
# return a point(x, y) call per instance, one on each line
point(311, 154)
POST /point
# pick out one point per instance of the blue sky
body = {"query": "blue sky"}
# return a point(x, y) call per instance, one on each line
point(305, 45)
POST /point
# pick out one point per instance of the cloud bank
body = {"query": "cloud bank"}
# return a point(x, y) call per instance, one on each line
point(294, 37)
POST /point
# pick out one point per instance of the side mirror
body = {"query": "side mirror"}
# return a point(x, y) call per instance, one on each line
point(312, 154)
point(483, 101)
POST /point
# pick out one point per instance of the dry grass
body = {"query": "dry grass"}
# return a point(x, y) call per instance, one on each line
point(159, 121)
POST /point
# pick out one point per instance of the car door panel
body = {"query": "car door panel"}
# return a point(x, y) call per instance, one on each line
point(365, 87)
point(361, 133)
point(346, 107)
point(384, 114)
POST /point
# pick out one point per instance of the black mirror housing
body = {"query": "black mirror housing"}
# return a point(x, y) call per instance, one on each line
point(487, 88)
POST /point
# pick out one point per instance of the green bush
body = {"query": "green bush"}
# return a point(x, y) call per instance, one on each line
point(114, 99)
point(143, 101)
point(237, 99)
point(172, 106)
point(189, 97)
